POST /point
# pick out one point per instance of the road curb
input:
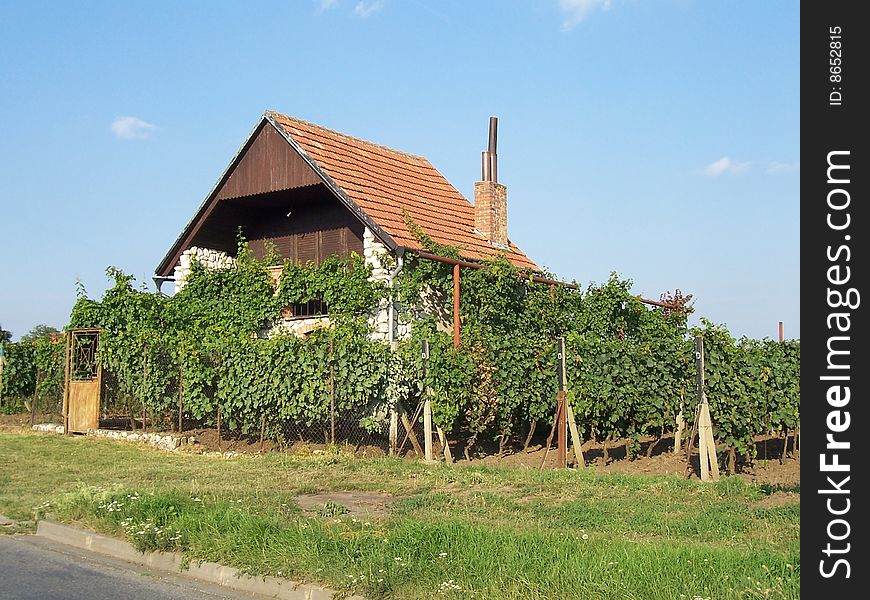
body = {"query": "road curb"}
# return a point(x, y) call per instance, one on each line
point(171, 562)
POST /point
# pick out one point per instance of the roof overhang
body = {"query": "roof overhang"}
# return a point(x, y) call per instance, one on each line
point(166, 266)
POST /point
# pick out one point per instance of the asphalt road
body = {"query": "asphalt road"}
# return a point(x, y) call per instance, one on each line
point(33, 568)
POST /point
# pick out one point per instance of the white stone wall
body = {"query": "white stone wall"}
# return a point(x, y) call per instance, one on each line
point(298, 326)
point(377, 256)
point(210, 259)
point(383, 262)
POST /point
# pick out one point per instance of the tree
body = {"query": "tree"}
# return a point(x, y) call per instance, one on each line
point(5, 336)
point(38, 332)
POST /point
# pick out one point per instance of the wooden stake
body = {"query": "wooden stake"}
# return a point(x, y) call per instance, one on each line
point(702, 445)
point(561, 437)
point(409, 430)
point(219, 426)
point(561, 398)
point(427, 429)
point(576, 443)
point(681, 429)
point(691, 444)
point(394, 429)
point(707, 446)
point(442, 437)
point(424, 350)
point(703, 425)
point(552, 433)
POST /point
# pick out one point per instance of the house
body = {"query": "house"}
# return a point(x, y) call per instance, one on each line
point(312, 192)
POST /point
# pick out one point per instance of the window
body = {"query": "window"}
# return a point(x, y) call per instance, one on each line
point(312, 308)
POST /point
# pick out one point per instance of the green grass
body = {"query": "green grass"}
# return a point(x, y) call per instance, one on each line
point(469, 532)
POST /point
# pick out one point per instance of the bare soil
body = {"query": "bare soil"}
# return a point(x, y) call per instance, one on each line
point(207, 440)
point(17, 421)
point(779, 499)
point(774, 470)
point(772, 467)
point(358, 503)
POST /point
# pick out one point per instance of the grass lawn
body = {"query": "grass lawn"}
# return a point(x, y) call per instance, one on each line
point(463, 532)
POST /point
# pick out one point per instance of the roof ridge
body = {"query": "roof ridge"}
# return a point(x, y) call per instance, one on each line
point(344, 135)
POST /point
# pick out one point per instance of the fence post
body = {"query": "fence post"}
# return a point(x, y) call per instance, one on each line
point(2, 365)
point(427, 429)
point(562, 436)
point(681, 428)
point(180, 396)
point(33, 402)
point(67, 375)
point(394, 428)
point(331, 395)
point(427, 408)
point(394, 412)
point(144, 383)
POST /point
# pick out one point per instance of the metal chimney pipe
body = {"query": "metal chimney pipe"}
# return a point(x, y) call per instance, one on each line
point(485, 166)
point(492, 149)
point(493, 134)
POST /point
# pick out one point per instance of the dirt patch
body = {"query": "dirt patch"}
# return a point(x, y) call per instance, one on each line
point(22, 420)
point(782, 473)
point(775, 470)
point(779, 499)
point(207, 441)
point(357, 504)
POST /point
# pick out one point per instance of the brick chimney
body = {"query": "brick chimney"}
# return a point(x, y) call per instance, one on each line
point(490, 197)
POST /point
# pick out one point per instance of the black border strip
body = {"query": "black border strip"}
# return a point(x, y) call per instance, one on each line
point(834, 228)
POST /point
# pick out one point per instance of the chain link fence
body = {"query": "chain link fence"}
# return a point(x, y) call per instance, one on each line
point(364, 430)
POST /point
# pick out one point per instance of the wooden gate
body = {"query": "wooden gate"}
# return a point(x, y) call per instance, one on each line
point(83, 381)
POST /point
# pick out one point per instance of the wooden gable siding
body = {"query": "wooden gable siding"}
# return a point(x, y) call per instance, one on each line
point(313, 232)
point(268, 165)
point(318, 226)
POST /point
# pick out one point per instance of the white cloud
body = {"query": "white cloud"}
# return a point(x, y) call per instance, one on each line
point(577, 10)
point(327, 4)
point(132, 128)
point(782, 167)
point(726, 165)
point(718, 167)
point(366, 9)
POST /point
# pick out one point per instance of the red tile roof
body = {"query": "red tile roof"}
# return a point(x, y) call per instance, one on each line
point(384, 183)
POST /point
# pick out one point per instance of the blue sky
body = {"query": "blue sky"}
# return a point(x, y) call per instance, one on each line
point(655, 138)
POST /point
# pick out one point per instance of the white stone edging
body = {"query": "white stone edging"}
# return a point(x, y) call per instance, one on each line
point(161, 441)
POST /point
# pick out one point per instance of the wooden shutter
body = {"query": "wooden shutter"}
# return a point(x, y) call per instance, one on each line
point(331, 243)
point(306, 247)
